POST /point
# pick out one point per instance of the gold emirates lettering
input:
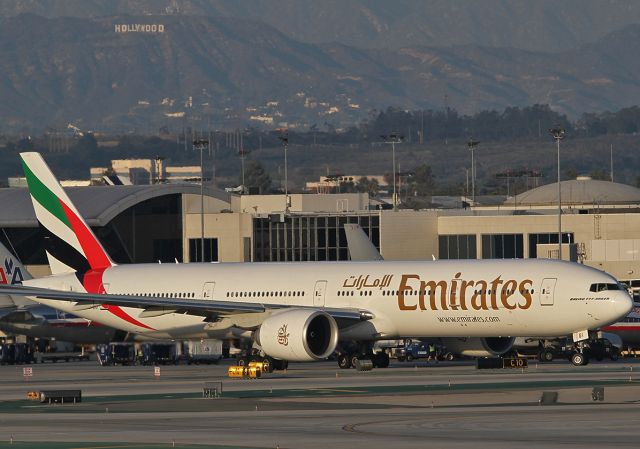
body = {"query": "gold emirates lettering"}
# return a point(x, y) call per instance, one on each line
point(461, 294)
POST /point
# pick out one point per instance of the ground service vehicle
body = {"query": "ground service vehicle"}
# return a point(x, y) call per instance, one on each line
point(116, 354)
point(16, 354)
point(205, 351)
point(157, 354)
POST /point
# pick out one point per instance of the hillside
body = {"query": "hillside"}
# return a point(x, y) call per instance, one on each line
point(543, 25)
point(220, 71)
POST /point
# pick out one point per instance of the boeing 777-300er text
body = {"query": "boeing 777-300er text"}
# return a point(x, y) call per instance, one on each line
point(300, 311)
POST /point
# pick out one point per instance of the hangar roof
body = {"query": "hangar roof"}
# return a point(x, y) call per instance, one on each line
point(97, 204)
point(580, 191)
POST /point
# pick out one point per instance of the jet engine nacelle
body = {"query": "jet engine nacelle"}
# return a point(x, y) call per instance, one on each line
point(299, 335)
point(478, 347)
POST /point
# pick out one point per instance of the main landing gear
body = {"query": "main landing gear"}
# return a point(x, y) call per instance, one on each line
point(346, 361)
point(269, 364)
point(350, 358)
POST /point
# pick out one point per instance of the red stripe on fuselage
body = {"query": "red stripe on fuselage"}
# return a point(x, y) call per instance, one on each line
point(93, 284)
point(98, 261)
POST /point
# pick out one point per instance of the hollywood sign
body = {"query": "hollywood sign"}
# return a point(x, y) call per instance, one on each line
point(139, 28)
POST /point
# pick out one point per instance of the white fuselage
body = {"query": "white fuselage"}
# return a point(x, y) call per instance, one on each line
point(483, 298)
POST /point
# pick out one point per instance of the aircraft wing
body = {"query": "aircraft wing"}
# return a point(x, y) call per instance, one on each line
point(153, 305)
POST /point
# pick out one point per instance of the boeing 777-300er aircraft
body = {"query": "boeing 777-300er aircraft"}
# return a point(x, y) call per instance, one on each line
point(300, 311)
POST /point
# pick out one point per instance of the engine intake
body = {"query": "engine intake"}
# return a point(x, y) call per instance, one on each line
point(299, 335)
point(479, 347)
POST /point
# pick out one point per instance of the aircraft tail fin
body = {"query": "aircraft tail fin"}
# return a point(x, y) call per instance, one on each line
point(70, 243)
point(12, 272)
point(360, 247)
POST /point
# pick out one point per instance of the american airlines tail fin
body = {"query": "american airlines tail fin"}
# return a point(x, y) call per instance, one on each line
point(12, 272)
point(360, 247)
point(71, 246)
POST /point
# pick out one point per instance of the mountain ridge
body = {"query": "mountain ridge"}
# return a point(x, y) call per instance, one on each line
point(82, 71)
point(543, 25)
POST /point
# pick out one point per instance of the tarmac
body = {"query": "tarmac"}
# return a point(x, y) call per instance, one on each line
point(317, 405)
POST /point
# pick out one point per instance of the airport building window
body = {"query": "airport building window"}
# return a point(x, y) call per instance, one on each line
point(132, 235)
point(502, 246)
point(210, 250)
point(457, 246)
point(548, 237)
point(280, 238)
point(165, 250)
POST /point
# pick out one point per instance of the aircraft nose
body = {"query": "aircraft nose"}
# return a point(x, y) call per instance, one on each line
point(622, 304)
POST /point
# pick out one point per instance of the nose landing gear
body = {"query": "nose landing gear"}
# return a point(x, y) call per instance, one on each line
point(579, 359)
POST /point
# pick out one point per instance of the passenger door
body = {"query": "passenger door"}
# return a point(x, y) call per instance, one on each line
point(319, 293)
point(546, 291)
point(207, 290)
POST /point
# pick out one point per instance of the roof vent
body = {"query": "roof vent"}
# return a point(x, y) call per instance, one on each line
point(583, 178)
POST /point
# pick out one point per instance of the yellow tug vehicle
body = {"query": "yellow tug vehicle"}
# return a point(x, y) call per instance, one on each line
point(252, 371)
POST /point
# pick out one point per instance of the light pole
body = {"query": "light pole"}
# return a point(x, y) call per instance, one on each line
point(472, 144)
point(159, 160)
point(393, 138)
point(611, 160)
point(242, 154)
point(558, 134)
point(201, 144)
point(284, 137)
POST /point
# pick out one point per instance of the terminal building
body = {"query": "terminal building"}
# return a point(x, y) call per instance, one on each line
point(134, 223)
point(164, 223)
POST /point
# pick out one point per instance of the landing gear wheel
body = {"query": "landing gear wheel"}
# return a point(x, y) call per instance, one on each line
point(354, 360)
point(267, 365)
point(578, 359)
point(344, 361)
point(449, 357)
point(547, 356)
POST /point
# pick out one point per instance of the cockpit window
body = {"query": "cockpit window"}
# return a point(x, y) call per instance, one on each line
point(604, 287)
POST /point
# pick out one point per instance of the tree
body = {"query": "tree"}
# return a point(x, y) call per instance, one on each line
point(25, 144)
point(256, 177)
point(571, 173)
point(600, 174)
point(86, 143)
point(422, 182)
point(367, 185)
